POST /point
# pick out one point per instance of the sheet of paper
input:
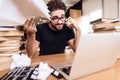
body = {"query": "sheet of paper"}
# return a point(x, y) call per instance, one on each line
point(20, 60)
point(15, 12)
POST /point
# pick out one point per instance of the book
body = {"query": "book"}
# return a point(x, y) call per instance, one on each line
point(9, 53)
point(6, 28)
point(104, 20)
point(12, 42)
point(9, 44)
point(11, 33)
point(10, 48)
point(4, 38)
point(103, 25)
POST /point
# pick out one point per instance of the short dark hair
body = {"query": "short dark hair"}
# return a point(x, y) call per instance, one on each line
point(55, 5)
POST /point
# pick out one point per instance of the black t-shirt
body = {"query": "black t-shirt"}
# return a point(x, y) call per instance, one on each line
point(53, 42)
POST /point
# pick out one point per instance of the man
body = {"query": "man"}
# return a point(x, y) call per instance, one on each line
point(52, 37)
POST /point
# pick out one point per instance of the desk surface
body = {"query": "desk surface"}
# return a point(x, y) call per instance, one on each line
point(108, 74)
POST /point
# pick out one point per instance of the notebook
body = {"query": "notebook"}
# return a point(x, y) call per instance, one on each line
point(95, 52)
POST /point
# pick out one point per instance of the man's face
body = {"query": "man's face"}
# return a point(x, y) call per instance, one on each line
point(57, 19)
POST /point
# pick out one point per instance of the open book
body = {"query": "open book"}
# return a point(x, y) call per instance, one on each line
point(15, 12)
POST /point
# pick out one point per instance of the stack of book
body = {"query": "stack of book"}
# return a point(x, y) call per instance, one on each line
point(105, 25)
point(10, 41)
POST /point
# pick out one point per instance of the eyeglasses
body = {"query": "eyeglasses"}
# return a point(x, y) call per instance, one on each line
point(56, 19)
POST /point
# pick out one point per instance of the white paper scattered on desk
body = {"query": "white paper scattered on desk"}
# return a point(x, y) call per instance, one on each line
point(15, 12)
point(44, 71)
point(20, 60)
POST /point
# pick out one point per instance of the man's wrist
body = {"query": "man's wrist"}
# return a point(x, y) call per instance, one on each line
point(31, 36)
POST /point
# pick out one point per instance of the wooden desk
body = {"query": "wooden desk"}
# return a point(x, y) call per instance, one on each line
point(108, 74)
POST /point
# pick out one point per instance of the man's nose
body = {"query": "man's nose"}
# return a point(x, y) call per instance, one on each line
point(59, 21)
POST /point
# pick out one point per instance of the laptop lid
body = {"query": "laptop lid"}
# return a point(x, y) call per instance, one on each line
point(95, 52)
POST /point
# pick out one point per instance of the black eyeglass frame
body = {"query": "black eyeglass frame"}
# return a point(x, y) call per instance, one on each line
point(57, 19)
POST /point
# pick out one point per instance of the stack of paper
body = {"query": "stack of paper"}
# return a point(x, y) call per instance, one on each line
point(10, 41)
point(105, 25)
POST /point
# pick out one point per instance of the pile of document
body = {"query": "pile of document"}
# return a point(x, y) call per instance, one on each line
point(10, 42)
point(105, 25)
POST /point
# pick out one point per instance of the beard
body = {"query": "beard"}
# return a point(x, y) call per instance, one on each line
point(57, 26)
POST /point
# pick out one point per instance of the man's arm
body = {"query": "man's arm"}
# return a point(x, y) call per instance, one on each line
point(73, 43)
point(31, 43)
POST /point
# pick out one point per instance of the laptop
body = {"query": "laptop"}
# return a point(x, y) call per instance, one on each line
point(95, 52)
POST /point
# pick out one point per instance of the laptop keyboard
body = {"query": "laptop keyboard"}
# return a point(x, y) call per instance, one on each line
point(66, 70)
point(21, 73)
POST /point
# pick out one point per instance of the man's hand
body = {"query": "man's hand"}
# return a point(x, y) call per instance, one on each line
point(30, 27)
point(31, 43)
point(71, 23)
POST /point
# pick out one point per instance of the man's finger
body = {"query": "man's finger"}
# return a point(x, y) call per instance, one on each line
point(29, 22)
point(32, 22)
point(26, 24)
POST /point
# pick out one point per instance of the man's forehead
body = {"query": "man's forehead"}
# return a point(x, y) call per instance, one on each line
point(58, 13)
